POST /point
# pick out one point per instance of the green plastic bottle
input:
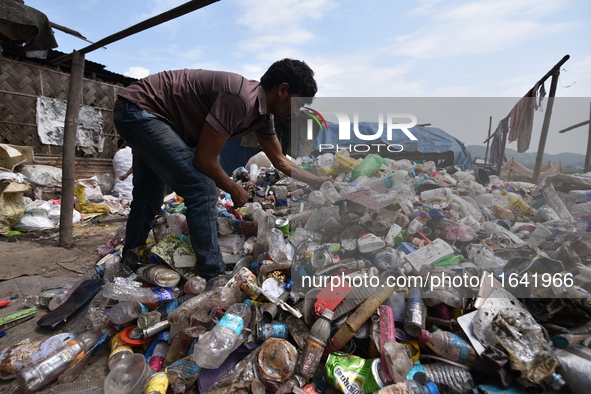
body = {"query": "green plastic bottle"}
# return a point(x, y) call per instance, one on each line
point(368, 166)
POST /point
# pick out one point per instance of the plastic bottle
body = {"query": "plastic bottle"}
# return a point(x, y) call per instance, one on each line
point(124, 292)
point(516, 202)
point(456, 379)
point(77, 387)
point(119, 350)
point(35, 377)
point(157, 359)
point(148, 319)
point(158, 384)
point(449, 346)
point(182, 374)
point(159, 275)
point(195, 285)
point(316, 198)
point(214, 347)
point(503, 212)
point(368, 166)
point(414, 316)
point(312, 353)
point(444, 191)
point(199, 305)
point(361, 314)
point(126, 311)
point(380, 185)
point(277, 247)
point(415, 387)
point(415, 226)
point(330, 193)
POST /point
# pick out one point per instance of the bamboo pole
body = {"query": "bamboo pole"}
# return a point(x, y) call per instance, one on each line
point(181, 10)
point(487, 142)
point(588, 154)
point(554, 72)
point(545, 126)
point(69, 148)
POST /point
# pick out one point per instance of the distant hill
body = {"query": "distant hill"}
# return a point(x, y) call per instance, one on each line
point(528, 159)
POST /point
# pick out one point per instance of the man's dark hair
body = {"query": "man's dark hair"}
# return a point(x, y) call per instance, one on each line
point(296, 73)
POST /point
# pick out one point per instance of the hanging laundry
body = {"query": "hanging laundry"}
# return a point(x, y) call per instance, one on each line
point(522, 118)
point(497, 141)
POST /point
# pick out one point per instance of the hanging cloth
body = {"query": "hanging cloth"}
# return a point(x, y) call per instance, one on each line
point(522, 119)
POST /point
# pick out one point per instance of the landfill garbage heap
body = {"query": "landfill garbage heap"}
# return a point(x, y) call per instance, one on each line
point(396, 277)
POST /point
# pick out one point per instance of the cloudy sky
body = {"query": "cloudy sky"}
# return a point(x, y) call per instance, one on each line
point(371, 48)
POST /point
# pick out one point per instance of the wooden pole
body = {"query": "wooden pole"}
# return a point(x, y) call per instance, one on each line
point(502, 153)
point(487, 142)
point(546, 125)
point(69, 148)
point(181, 10)
point(588, 154)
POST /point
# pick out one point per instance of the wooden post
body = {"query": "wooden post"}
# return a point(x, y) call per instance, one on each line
point(69, 148)
point(487, 142)
point(546, 125)
point(588, 154)
point(502, 154)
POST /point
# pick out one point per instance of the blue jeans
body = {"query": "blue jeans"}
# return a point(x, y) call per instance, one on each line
point(233, 155)
point(161, 158)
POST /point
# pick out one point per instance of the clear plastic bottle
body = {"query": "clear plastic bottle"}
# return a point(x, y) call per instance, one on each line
point(199, 305)
point(380, 185)
point(316, 198)
point(415, 226)
point(148, 319)
point(315, 344)
point(126, 311)
point(330, 193)
point(449, 346)
point(195, 285)
point(35, 377)
point(456, 379)
point(124, 292)
point(214, 347)
point(182, 374)
point(415, 387)
point(277, 247)
point(444, 191)
point(159, 275)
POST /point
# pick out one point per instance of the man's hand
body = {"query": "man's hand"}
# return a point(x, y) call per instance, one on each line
point(316, 183)
point(239, 197)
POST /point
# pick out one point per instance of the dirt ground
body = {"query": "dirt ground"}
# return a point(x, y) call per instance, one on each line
point(33, 262)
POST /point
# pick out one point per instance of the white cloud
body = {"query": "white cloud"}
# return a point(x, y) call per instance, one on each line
point(137, 72)
point(280, 23)
point(483, 26)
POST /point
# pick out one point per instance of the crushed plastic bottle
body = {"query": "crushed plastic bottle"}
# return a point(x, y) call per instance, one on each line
point(159, 275)
point(214, 347)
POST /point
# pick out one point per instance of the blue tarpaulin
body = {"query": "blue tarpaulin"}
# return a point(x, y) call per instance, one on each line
point(429, 140)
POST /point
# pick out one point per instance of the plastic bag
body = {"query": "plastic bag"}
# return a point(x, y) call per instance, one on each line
point(12, 204)
point(36, 217)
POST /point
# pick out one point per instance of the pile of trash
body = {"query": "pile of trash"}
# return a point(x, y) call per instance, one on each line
point(397, 277)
